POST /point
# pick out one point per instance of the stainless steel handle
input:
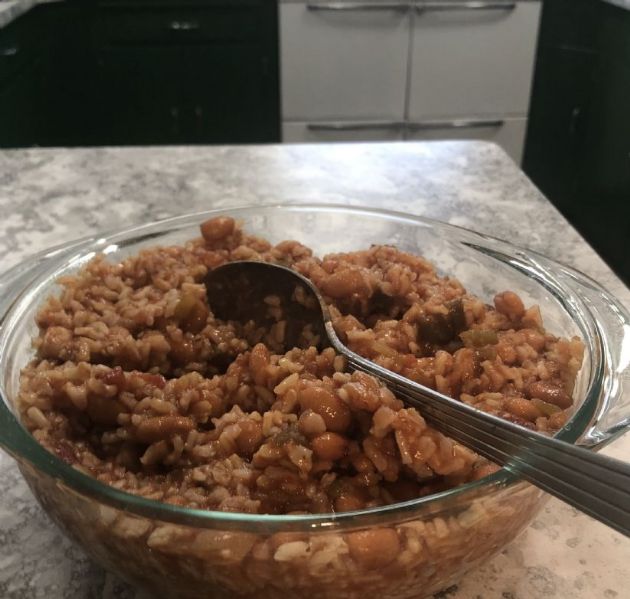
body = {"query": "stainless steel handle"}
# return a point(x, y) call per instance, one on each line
point(358, 6)
point(183, 25)
point(436, 5)
point(595, 484)
point(454, 124)
point(356, 126)
point(9, 51)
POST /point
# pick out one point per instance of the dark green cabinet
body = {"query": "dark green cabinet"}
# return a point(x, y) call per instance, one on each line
point(20, 114)
point(128, 72)
point(23, 82)
point(138, 96)
point(187, 73)
point(578, 140)
point(231, 104)
point(560, 107)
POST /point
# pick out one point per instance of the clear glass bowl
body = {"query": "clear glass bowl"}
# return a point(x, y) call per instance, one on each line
point(180, 552)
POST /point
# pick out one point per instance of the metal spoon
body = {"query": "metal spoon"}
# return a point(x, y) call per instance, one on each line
point(594, 484)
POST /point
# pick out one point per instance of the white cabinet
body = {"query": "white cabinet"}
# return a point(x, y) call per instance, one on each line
point(472, 58)
point(343, 60)
point(418, 69)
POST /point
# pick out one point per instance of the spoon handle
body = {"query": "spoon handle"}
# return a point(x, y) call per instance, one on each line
point(594, 484)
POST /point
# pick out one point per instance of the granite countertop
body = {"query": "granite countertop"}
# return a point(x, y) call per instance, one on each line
point(50, 196)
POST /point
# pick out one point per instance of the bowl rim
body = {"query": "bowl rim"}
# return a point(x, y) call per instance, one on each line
point(30, 454)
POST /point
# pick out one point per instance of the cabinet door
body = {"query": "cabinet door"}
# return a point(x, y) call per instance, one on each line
point(23, 75)
point(508, 133)
point(472, 58)
point(70, 101)
point(138, 95)
point(318, 131)
point(230, 94)
point(565, 80)
point(343, 64)
point(19, 115)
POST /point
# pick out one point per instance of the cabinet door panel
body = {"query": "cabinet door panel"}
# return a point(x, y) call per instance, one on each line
point(21, 123)
point(565, 80)
point(316, 132)
point(138, 91)
point(510, 135)
point(228, 96)
point(342, 65)
point(473, 61)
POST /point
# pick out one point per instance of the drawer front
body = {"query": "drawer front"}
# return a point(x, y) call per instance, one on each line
point(339, 64)
point(473, 60)
point(166, 24)
point(509, 133)
point(314, 132)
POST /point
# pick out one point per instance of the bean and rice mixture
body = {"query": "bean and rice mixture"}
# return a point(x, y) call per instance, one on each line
point(136, 383)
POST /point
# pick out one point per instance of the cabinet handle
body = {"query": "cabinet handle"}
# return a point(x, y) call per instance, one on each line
point(357, 126)
point(405, 125)
point(9, 51)
point(433, 5)
point(184, 25)
point(358, 6)
point(454, 124)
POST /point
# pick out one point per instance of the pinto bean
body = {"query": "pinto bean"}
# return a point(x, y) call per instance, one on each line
point(329, 446)
point(549, 392)
point(335, 413)
point(523, 408)
point(349, 502)
point(344, 283)
point(218, 228)
point(509, 304)
point(374, 548)
point(311, 424)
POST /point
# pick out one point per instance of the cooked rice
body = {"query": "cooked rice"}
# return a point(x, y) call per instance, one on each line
point(138, 384)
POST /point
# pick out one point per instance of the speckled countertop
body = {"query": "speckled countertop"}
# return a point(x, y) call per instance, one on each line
point(50, 196)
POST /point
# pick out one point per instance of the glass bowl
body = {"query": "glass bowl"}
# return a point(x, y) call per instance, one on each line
point(180, 552)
